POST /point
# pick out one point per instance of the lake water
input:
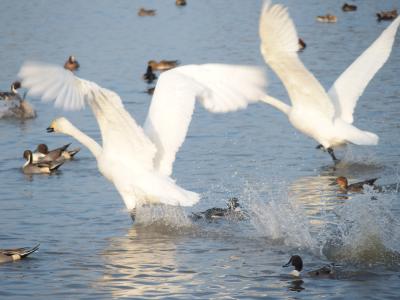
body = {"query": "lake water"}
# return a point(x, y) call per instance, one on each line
point(90, 249)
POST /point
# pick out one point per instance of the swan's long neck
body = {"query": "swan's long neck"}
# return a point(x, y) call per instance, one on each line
point(283, 107)
point(84, 139)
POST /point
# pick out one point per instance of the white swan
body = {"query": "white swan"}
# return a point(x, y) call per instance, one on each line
point(139, 161)
point(326, 117)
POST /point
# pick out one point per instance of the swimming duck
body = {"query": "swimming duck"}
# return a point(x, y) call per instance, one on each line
point(39, 168)
point(13, 93)
point(8, 255)
point(163, 65)
point(149, 76)
point(328, 18)
point(233, 211)
point(180, 2)
point(42, 153)
point(386, 15)
point(324, 272)
point(349, 7)
point(146, 12)
point(357, 187)
point(71, 64)
point(15, 105)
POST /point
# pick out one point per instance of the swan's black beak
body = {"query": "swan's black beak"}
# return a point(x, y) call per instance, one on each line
point(50, 129)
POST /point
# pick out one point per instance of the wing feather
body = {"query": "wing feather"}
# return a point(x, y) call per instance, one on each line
point(220, 88)
point(347, 89)
point(122, 137)
point(279, 46)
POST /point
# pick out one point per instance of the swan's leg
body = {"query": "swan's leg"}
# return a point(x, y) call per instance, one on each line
point(332, 154)
point(133, 214)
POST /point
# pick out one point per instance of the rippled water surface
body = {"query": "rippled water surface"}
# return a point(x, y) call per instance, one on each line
point(90, 249)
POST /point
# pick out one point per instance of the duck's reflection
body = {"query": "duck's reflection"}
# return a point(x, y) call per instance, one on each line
point(143, 263)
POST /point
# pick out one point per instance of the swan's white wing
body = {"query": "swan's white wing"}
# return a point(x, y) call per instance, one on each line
point(279, 46)
point(122, 138)
point(220, 88)
point(351, 84)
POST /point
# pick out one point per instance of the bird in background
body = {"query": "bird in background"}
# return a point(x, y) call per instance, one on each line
point(326, 116)
point(139, 160)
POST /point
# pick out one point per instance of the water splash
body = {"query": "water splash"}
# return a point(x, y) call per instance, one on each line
point(275, 216)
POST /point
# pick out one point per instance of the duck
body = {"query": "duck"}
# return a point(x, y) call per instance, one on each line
point(327, 271)
point(163, 65)
point(138, 160)
point(149, 76)
point(146, 12)
point(325, 116)
point(180, 2)
point(349, 7)
point(386, 15)
point(13, 93)
point(14, 105)
point(233, 211)
point(71, 64)
point(9, 255)
point(42, 153)
point(328, 18)
point(45, 167)
point(357, 187)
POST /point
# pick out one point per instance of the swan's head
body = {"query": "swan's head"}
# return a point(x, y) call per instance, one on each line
point(61, 125)
point(42, 148)
point(342, 182)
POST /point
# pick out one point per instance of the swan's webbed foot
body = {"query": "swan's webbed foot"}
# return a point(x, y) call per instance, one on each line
point(332, 154)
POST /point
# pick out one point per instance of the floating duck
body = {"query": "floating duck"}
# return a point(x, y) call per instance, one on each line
point(146, 12)
point(349, 7)
point(387, 15)
point(180, 2)
point(149, 76)
point(13, 93)
point(42, 153)
point(16, 106)
point(71, 64)
point(233, 211)
point(357, 187)
point(39, 168)
point(328, 271)
point(328, 18)
point(8, 255)
point(326, 116)
point(163, 65)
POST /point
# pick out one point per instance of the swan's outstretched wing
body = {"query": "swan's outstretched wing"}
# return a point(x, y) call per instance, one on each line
point(279, 46)
point(220, 88)
point(122, 138)
point(351, 84)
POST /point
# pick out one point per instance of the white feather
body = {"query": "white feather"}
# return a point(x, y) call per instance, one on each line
point(351, 84)
point(326, 118)
point(220, 88)
point(127, 157)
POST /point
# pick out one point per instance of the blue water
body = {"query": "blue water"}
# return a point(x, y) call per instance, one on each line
point(90, 249)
